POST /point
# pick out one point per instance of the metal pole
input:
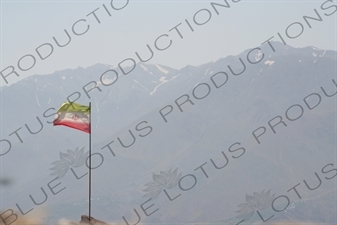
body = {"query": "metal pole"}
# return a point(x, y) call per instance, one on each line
point(90, 163)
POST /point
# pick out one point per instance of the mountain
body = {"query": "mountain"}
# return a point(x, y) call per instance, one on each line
point(191, 137)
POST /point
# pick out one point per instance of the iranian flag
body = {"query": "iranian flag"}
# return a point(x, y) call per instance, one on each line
point(73, 115)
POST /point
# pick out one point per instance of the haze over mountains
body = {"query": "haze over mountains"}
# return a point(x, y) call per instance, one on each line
point(229, 114)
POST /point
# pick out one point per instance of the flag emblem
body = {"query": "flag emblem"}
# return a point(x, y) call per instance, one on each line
point(73, 115)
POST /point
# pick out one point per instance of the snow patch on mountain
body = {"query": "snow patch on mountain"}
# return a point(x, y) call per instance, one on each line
point(177, 75)
point(163, 81)
point(141, 85)
point(258, 56)
point(206, 71)
point(144, 68)
point(268, 62)
point(161, 69)
point(315, 48)
point(106, 80)
point(323, 53)
point(260, 72)
point(37, 100)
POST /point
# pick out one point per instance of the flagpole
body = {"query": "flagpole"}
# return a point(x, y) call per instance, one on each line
point(90, 163)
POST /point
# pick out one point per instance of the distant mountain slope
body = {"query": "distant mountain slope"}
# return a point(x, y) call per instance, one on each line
point(190, 138)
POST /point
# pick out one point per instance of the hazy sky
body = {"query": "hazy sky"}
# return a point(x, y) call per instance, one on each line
point(25, 25)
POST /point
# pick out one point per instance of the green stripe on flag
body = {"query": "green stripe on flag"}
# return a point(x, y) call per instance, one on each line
point(74, 107)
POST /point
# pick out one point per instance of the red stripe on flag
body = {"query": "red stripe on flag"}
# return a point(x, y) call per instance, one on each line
point(79, 126)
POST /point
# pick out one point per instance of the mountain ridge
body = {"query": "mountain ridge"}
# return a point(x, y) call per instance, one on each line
point(202, 131)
